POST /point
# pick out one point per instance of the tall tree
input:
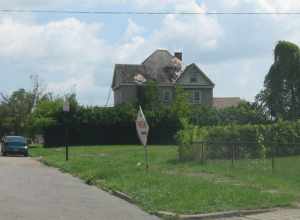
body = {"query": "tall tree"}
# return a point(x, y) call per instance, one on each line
point(149, 97)
point(16, 109)
point(180, 105)
point(281, 94)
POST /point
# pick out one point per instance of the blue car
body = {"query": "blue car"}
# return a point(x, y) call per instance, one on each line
point(14, 145)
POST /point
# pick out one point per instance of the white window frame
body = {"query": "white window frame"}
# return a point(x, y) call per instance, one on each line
point(193, 96)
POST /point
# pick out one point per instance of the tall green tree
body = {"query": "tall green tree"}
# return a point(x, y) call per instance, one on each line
point(16, 109)
point(281, 93)
point(149, 97)
point(181, 106)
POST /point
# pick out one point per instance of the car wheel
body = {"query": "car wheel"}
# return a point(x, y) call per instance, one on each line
point(4, 154)
point(26, 154)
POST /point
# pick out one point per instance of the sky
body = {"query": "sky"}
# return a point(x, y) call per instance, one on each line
point(77, 52)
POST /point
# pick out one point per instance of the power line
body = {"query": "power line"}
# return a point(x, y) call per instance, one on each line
point(11, 11)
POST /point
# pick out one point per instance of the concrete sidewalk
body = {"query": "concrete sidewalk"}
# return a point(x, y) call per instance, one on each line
point(32, 191)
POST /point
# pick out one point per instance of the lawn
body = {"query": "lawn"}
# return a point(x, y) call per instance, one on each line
point(181, 187)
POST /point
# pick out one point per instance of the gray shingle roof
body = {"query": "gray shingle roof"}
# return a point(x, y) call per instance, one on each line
point(160, 66)
point(125, 73)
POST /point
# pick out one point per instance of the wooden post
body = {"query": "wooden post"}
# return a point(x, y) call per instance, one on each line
point(202, 153)
point(232, 154)
point(146, 158)
point(67, 144)
point(66, 109)
point(273, 158)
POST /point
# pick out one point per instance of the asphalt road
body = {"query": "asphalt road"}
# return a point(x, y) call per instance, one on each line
point(32, 191)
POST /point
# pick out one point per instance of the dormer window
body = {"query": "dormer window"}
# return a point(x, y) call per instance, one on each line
point(193, 78)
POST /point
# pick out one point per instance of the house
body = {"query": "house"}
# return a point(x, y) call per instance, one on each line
point(168, 71)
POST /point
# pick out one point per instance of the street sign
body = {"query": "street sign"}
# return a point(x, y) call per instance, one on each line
point(142, 127)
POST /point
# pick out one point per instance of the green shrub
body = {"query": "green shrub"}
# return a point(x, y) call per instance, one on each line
point(248, 141)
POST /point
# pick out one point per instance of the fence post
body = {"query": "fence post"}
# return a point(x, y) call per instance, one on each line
point(232, 154)
point(202, 153)
point(273, 159)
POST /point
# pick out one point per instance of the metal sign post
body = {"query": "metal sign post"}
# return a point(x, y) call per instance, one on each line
point(142, 129)
point(66, 109)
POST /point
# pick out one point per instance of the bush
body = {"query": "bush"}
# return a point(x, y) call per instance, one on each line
point(251, 141)
point(244, 113)
point(99, 125)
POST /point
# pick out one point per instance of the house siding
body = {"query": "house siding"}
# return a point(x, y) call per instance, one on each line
point(193, 72)
point(168, 72)
point(162, 92)
point(206, 95)
point(125, 94)
point(129, 94)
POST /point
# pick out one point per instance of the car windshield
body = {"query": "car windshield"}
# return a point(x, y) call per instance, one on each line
point(15, 144)
point(15, 141)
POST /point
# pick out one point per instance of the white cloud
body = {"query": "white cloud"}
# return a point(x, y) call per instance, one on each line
point(243, 78)
point(29, 4)
point(65, 53)
point(278, 4)
point(195, 33)
point(133, 29)
point(235, 51)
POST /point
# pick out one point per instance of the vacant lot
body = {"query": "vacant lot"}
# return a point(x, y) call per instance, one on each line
point(181, 187)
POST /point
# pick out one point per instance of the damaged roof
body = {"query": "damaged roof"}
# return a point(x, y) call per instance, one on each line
point(125, 73)
point(160, 66)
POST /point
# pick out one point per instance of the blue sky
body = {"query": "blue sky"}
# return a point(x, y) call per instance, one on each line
point(77, 52)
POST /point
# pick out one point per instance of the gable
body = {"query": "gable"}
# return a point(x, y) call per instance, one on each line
point(193, 75)
point(125, 73)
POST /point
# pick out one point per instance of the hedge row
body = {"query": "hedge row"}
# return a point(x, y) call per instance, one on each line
point(100, 126)
point(251, 141)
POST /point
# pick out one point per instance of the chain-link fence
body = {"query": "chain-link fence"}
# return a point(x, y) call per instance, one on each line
point(246, 154)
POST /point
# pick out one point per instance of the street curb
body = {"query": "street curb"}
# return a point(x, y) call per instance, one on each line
point(119, 194)
point(165, 214)
point(123, 196)
point(217, 215)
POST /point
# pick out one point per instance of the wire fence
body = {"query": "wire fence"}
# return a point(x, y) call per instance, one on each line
point(244, 154)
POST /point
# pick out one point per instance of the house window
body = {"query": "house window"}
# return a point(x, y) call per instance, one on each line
point(196, 97)
point(193, 78)
point(166, 97)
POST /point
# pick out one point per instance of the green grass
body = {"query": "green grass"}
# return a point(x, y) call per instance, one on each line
point(181, 187)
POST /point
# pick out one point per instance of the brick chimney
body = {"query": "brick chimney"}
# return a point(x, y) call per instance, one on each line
point(178, 55)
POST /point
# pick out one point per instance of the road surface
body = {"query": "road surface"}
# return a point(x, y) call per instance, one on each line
point(32, 191)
